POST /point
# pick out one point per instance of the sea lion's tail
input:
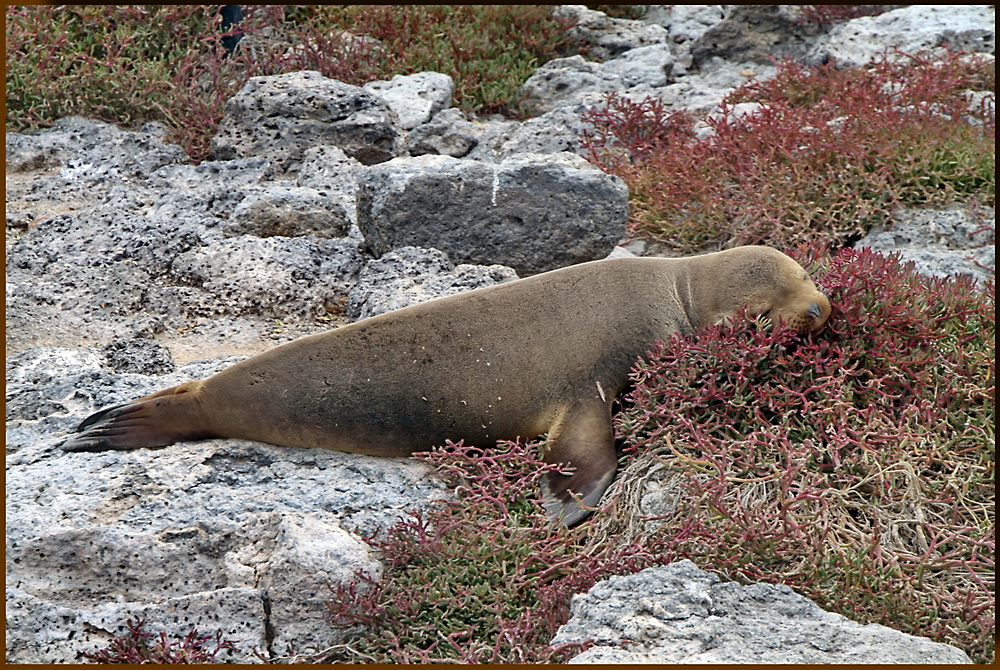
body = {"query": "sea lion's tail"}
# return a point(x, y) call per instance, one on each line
point(153, 421)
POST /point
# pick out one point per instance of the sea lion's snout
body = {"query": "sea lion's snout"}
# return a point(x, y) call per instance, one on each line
point(804, 317)
point(819, 311)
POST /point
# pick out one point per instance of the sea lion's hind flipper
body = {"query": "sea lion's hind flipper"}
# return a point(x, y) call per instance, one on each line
point(125, 426)
point(584, 439)
point(153, 421)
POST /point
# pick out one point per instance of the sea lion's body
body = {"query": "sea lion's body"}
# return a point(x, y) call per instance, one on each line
point(546, 354)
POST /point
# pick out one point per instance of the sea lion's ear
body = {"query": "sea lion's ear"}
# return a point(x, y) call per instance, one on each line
point(583, 439)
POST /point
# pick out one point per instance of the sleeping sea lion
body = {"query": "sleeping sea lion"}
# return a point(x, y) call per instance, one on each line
point(543, 355)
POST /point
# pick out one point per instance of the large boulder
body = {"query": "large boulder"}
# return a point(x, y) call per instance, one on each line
point(531, 212)
point(680, 614)
point(281, 116)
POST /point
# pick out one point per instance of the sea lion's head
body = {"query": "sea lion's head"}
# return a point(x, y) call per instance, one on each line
point(764, 280)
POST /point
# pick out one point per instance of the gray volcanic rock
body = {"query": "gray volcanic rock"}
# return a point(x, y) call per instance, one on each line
point(334, 175)
point(409, 275)
point(274, 276)
point(563, 79)
point(138, 355)
point(609, 37)
point(222, 534)
point(39, 629)
point(449, 133)
point(703, 92)
point(568, 81)
point(531, 212)
point(288, 212)
point(76, 164)
point(561, 130)
point(415, 98)
point(755, 33)
point(909, 29)
point(680, 614)
point(649, 65)
point(279, 117)
point(940, 243)
point(208, 193)
point(684, 23)
point(101, 257)
point(92, 150)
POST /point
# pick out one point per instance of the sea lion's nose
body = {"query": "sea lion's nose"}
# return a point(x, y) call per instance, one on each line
point(813, 310)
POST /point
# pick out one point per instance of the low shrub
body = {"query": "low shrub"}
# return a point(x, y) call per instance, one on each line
point(129, 65)
point(482, 579)
point(107, 63)
point(855, 466)
point(828, 154)
point(139, 646)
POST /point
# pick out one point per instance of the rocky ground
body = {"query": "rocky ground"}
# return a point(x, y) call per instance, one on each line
point(129, 269)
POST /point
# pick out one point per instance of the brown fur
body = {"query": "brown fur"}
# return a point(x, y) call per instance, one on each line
point(546, 354)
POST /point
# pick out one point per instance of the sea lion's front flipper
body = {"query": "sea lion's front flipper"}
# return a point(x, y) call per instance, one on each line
point(583, 438)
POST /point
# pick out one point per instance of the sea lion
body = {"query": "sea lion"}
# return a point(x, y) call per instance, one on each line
point(545, 354)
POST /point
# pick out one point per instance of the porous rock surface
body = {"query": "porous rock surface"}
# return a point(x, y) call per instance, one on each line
point(224, 535)
point(279, 117)
point(129, 270)
point(114, 287)
point(678, 613)
point(410, 275)
point(755, 33)
point(448, 133)
point(415, 98)
point(907, 31)
point(288, 212)
point(609, 37)
point(940, 242)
